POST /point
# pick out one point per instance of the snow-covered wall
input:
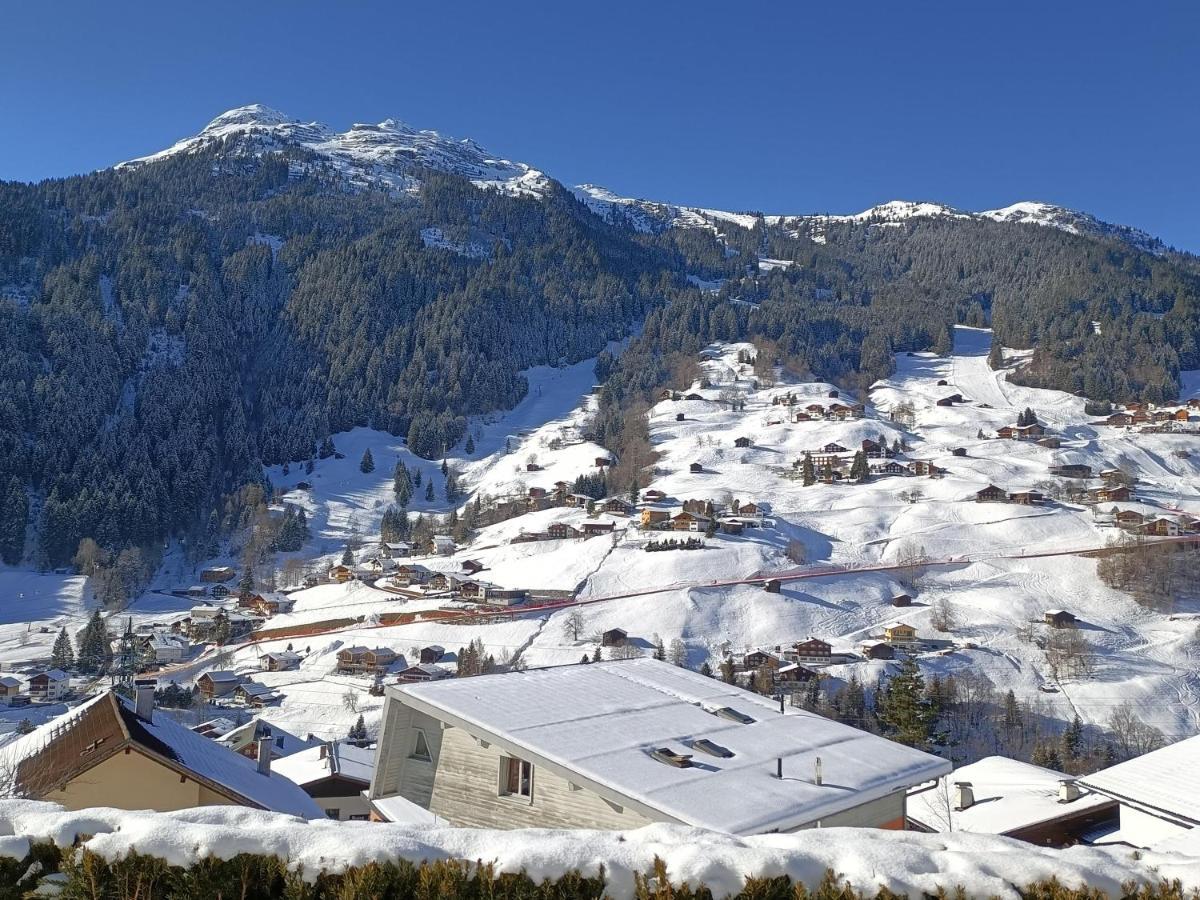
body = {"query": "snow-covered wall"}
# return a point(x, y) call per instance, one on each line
point(904, 862)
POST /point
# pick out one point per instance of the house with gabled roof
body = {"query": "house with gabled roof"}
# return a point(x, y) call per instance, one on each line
point(335, 774)
point(113, 752)
point(622, 744)
point(51, 685)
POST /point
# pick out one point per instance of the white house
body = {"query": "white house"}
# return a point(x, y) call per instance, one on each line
point(1158, 794)
point(621, 744)
point(168, 648)
point(50, 685)
point(9, 688)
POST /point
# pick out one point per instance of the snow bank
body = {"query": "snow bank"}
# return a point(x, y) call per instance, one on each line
point(907, 863)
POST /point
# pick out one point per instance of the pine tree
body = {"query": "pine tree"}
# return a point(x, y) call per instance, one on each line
point(402, 485)
point(246, 583)
point(995, 355)
point(859, 470)
point(445, 467)
point(94, 651)
point(660, 652)
point(429, 492)
point(1072, 740)
point(596, 655)
point(63, 654)
point(13, 518)
point(906, 711)
point(586, 660)
point(727, 670)
point(347, 557)
point(706, 669)
point(358, 733)
point(417, 476)
point(367, 464)
point(470, 447)
point(808, 473)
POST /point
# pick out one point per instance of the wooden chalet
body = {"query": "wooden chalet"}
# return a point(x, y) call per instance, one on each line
point(341, 573)
point(877, 650)
point(360, 660)
point(794, 673)
point(595, 529)
point(900, 634)
point(1111, 494)
point(279, 661)
point(695, 468)
point(603, 461)
point(614, 637)
point(741, 442)
point(1026, 498)
point(686, 521)
point(1072, 470)
point(1119, 419)
point(991, 494)
point(217, 684)
point(756, 659)
point(562, 530)
point(617, 506)
point(411, 574)
point(902, 600)
point(50, 685)
point(1059, 618)
point(578, 501)
point(472, 566)
point(812, 650)
point(218, 574)
point(654, 518)
point(431, 653)
point(422, 672)
point(654, 496)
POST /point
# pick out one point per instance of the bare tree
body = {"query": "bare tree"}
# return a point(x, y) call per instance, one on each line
point(625, 651)
point(677, 653)
point(797, 552)
point(942, 615)
point(574, 624)
point(350, 700)
point(1131, 736)
point(910, 558)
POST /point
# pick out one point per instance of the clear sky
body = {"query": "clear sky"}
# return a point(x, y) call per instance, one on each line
point(784, 106)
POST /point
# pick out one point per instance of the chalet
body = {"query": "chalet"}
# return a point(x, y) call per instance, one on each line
point(1072, 470)
point(666, 394)
point(378, 565)
point(1157, 794)
point(1113, 494)
point(1139, 418)
point(876, 449)
point(686, 521)
point(1181, 415)
point(441, 581)
point(1161, 526)
point(773, 586)
point(812, 650)
point(411, 573)
point(618, 506)
point(265, 605)
point(167, 648)
point(891, 467)
point(1050, 443)
point(251, 693)
point(815, 409)
point(1030, 432)
point(442, 545)
point(219, 591)
point(794, 673)
point(745, 510)
point(654, 496)
point(562, 530)
point(395, 549)
point(959, 451)
point(614, 637)
point(756, 659)
point(991, 494)
point(360, 660)
point(942, 382)
point(654, 518)
point(877, 650)
point(1019, 800)
point(679, 417)
point(532, 467)
point(1128, 517)
point(49, 686)
point(602, 461)
point(496, 596)
point(694, 396)
point(732, 526)
point(490, 752)
point(336, 774)
point(124, 754)
point(695, 468)
point(902, 600)
point(1119, 419)
point(422, 672)
point(218, 574)
point(578, 501)
point(595, 529)
point(901, 634)
point(949, 401)
point(219, 683)
point(834, 448)
point(1026, 498)
point(1059, 618)
point(537, 493)
point(279, 661)
point(9, 688)
point(431, 654)
point(925, 467)
point(341, 573)
point(801, 416)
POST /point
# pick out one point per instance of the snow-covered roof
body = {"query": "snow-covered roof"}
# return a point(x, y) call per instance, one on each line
point(180, 745)
point(9, 681)
point(221, 675)
point(1164, 781)
point(54, 675)
point(283, 742)
point(324, 761)
point(1009, 795)
point(404, 812)
point(599, 723)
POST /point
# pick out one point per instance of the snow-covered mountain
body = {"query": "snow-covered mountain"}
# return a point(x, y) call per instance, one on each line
point(650, 215)
point(386, 154)
point(383, 154)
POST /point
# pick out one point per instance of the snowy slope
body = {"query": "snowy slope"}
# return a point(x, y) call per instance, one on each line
point(383, 154)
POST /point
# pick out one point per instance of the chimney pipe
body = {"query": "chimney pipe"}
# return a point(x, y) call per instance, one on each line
point(779, 767)
point(818, 777)
point(143, 698)
point(964, 796)
point(264, 756)
point(1068, 791)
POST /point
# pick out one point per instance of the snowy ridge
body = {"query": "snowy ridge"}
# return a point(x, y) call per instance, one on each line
point(648, 215)
point(904, 862)
point(383, 154)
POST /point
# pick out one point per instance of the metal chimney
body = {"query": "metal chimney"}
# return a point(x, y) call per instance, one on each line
point(817, 773)
point(264, 756)
point(143, 698)
point(964, 796)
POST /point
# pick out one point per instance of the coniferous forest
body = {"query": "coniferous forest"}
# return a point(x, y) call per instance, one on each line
point(166, 330)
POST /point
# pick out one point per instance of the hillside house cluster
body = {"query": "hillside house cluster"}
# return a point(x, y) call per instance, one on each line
point(832, 462)
point(1148, 417)
point(699, 515)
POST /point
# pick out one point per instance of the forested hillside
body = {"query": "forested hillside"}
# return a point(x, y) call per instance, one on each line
point(168, 328)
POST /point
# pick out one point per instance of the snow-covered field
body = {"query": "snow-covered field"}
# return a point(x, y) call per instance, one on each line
point(1140, 655)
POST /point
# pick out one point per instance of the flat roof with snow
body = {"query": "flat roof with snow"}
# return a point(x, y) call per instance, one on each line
point(1165, 782)
point(601, 722)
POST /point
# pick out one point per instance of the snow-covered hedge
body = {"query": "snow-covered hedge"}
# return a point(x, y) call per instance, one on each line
point(230, 851)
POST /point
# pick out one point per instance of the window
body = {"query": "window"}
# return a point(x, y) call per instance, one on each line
point(516, 777)
point(358, 817)
point(421, 748)
point(334, 813)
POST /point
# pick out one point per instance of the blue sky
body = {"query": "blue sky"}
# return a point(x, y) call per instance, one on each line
point(782, 107)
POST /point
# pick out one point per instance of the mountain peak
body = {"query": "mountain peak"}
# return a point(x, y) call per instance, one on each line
point(251, 114)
